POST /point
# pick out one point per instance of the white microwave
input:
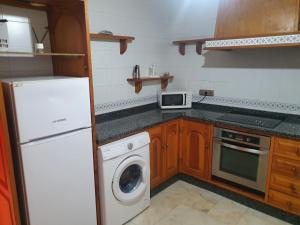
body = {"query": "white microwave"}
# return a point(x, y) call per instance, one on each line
point(175, 100)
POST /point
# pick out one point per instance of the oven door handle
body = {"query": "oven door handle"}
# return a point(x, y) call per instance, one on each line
point(242, 149)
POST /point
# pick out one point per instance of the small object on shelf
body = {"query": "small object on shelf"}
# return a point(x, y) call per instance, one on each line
point(124, 40)
point(136, 72)
point(138, 83)
point(152, 71)
point(106, 32)
point(39, 45)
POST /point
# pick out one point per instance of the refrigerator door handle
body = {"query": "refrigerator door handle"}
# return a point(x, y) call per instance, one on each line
point(55, 137)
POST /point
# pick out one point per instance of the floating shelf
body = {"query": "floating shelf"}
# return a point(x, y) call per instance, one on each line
point(279, 40)
point(60, 54)
point(198, 42)
point(124, 40)
point(26, 54)
point(139, 82)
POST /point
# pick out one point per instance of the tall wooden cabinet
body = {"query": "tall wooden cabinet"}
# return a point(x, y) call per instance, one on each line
point(256, 17)
point(196, 145)
point(69, 33)
point(164, 148)
point(9, 208)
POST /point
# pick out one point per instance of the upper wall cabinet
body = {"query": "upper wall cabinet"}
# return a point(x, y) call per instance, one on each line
point(238, 18)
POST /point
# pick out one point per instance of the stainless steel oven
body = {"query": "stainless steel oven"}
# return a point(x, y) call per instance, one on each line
point(241, 158)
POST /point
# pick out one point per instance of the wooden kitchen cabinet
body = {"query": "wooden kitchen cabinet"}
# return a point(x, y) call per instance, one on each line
point(284, 182)
point(156, 155)
point(256, 17)
point(164, 147)
point(171, 133)
point(196, 146)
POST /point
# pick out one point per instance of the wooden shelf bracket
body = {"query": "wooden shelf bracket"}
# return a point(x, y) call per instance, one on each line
point(124, 40)
point(198, 42)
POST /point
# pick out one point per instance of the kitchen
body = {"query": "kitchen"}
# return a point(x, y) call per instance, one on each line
point(219, 146)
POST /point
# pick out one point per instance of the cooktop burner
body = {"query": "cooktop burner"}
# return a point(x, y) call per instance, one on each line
point(251, 120)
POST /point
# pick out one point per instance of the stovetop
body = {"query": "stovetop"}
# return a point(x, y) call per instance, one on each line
point(251, 120)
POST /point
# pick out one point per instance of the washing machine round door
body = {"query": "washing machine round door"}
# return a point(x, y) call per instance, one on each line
point(130, 180)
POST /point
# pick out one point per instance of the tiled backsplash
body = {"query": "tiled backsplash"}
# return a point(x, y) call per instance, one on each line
point(251, 104)
point(234, 102)
point(124, 104)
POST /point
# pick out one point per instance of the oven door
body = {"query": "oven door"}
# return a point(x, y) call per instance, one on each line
point(241, 165)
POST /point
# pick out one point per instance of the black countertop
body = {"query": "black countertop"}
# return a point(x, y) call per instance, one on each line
point(113, 126)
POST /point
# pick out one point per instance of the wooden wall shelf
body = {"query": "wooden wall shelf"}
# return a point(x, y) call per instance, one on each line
point(138, 83)
point(124, 40)
point(198, 42)
point(26, 54)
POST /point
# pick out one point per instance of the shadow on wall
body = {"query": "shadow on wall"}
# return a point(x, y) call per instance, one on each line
point(277, 58)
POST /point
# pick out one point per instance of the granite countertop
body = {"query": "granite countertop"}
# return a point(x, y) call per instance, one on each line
point(111, 127)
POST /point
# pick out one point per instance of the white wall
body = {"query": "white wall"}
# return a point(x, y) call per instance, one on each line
point(264, 79)
point(37, 66)
point(144, 20)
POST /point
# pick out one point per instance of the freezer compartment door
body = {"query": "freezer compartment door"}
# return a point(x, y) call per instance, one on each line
point(59, 180)
point(49, 107)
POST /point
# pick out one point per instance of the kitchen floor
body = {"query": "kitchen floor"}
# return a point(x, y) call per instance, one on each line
point(185, 204)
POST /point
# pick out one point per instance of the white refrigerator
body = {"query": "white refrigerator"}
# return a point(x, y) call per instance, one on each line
point(50, 121)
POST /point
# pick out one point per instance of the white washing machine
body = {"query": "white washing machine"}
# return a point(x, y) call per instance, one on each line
point(124, 173)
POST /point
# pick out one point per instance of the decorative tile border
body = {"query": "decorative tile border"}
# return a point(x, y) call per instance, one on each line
point(270, 40)
point(251, 104)
point(124, 104)
point(233, 102)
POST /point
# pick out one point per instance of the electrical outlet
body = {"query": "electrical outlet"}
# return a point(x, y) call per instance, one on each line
point(206, 92)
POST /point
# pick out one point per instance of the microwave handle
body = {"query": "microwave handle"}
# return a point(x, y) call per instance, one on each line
point(242, 149)
point(184, 99)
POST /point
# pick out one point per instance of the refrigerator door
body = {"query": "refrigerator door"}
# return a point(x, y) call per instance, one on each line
point(51, 106)
point(59, 180)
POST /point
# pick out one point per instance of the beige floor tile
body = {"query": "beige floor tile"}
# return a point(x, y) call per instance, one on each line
point(253, 217)
point(160, 207)
point(185, 194)
point(183, 215)
point(228, 212)
point(130, 223)
point(186, 204)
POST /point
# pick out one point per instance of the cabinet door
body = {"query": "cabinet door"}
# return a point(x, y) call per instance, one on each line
point(9, 214)
point(156, 156)
point(196, 144)
point(256, 17)
point(171, 131)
